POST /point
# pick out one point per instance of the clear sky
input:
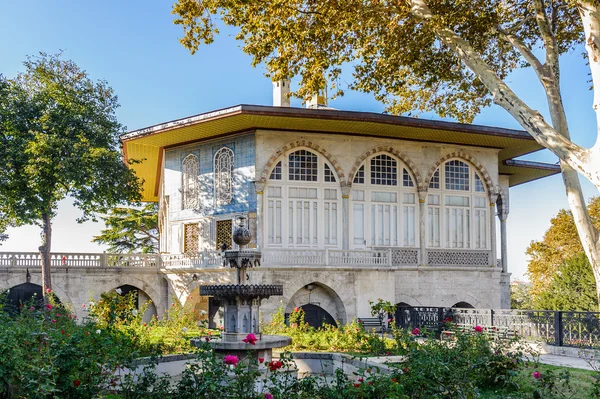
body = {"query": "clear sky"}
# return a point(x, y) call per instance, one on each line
point(134, 46)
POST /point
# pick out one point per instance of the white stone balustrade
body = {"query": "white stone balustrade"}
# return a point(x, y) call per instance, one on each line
point(321, 258)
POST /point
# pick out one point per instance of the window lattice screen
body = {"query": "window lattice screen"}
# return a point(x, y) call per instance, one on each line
point(224, 228)
point(191, 238)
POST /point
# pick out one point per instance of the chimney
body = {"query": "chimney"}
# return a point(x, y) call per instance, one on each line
point(318, 101)
point(281, 89)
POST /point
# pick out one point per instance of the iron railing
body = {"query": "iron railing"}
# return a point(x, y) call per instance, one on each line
point(561, 328)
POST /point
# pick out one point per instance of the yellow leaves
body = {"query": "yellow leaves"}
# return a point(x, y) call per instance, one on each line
point(560, 242)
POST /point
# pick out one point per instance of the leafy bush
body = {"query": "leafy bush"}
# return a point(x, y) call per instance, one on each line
point(350, 337)
point(44, 353)
point(458, 367)
point(169, 334)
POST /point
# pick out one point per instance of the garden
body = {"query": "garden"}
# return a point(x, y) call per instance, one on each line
point(45, 352)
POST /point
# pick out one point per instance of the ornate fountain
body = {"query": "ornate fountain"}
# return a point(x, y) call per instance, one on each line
point(241, 302)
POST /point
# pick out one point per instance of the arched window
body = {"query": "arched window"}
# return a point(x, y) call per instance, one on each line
point(190, 192)
point(457, 214)
point(302, 202)
point(384, 204)
point(224, 176)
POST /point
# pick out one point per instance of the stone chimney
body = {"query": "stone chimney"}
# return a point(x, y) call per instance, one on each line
point(281, 89)
point(318, 101)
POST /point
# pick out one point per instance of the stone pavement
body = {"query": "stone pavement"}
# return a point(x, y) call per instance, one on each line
point(568, 361)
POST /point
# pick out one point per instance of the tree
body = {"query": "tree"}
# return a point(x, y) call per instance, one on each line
point(131, 230)
point(520, 295)
point(450, 57)
point(572, 287)
point(58, 138)
point(560, 243)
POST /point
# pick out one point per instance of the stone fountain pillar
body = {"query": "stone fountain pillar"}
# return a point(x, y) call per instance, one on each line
point(242, 302)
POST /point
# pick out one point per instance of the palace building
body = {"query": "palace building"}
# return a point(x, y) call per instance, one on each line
point(346, 207)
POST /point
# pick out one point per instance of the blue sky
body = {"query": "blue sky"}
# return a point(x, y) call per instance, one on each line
point(134, 46)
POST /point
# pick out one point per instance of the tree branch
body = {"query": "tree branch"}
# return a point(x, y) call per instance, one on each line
point(525, 51)
point(590, 16)
point(572, 154)
point(547, 36)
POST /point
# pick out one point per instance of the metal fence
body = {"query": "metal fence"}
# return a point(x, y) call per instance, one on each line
point(560, 328)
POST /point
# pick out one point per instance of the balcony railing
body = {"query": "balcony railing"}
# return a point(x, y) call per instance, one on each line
point(68, 259)
point(319, 258)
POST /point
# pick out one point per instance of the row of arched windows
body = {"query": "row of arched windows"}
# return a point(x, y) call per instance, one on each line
point(303, 205)
point(223, 179)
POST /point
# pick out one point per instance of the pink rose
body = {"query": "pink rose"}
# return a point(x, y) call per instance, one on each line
point(537, 375)
point(250, 339)
point(231, 359)
point(478, 328)
point(268, 396)
point(416, 331)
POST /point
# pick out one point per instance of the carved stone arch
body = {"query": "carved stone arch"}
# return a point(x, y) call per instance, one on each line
point(327, 280)
point(297, 144)
point(490, 187)
point(140, 284)
point(322, 296)
point(469, 298)
point(36, 278)
point(391, 150)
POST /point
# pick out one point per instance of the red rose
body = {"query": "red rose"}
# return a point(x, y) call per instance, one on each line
point(76, 383)
point(356, 385)
point(250, 339)
point(275, 365)
point(261, 359)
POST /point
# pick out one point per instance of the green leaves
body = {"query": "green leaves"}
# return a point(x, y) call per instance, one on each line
point(131, 230)
point(59, 137)
point(395, 56)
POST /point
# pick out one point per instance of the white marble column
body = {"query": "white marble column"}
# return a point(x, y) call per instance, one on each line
point(422, 226)
point(346, 189)
point(503, 241)
point(259, 187)
point(493, 197)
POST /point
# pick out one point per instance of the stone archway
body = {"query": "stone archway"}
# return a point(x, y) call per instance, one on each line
point(25, 293)
point(36, 278)
point(142, 299)
point(147, 288)
point(316, 316)
point(321, 296)
point(463, 305)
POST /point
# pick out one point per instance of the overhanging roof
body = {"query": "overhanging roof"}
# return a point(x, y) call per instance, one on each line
point(148, 143)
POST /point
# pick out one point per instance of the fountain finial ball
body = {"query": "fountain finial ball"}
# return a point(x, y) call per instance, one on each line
point(241, 234)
